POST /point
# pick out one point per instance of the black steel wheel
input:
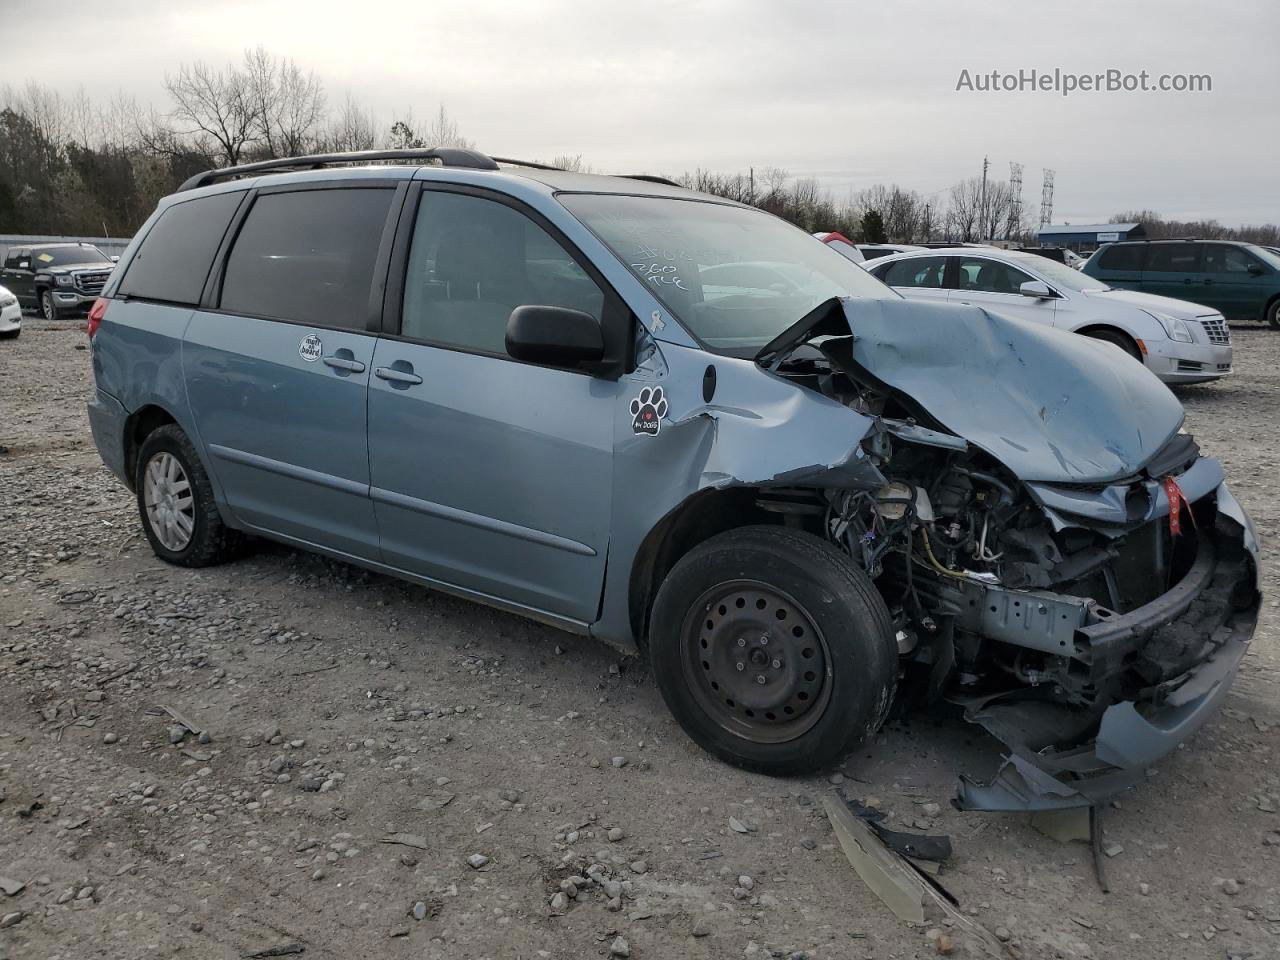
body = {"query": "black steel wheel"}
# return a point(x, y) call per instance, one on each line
point(773, 650)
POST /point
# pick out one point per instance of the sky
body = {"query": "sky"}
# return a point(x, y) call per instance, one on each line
point(852, 92)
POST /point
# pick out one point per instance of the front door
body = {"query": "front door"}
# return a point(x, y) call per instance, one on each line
point(278, 371)
point(489, 474)
point(994, 285)
point(1233, 280)
point(17, 276)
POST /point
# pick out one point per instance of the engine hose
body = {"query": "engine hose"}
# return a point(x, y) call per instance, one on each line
point(933, 561)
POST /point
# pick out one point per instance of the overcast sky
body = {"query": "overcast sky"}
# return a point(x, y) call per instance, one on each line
point(853, 92)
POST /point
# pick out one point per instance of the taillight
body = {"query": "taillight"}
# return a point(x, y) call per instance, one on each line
point(96, 313)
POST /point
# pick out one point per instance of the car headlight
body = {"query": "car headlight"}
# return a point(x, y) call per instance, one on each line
point(64, 281)
point(8, 301)
point(1174, 328)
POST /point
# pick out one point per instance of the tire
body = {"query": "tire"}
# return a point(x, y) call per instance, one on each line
point(722, 604)
point(182, 489)
point(11, 334)
point(48, 309)
point(1273, 314)
point(1119, 339)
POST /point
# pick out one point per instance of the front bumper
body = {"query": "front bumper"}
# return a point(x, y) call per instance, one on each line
point(1176, 362)
point(11, 319)
point(1218, 596)
point(69, 298)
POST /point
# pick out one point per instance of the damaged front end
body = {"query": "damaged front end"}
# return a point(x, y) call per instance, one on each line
point(1058, 557)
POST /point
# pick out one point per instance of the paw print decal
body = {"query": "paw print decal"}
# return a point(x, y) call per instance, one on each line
point(647, 411)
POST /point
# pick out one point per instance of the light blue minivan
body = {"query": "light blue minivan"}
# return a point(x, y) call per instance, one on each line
point(683, 426)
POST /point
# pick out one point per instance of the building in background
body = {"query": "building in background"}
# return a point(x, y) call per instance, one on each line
point(1085, 238)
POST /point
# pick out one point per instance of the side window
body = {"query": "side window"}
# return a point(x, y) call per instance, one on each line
point(174, 260)
point(1174, 258)
point(1122, 256)
point(308, 256)
point(915, 272)
point(472, 261)
point(1220, 258)
point(988, 276)
point(15, 257)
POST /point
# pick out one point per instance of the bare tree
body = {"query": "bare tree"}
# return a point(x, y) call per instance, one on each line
point(288, 105)
point(354, 128)
point(218, 104)
point(965, 214)
point(444, 132)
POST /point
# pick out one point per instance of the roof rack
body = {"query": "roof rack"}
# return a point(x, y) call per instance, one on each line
point(649, 178)
point(448, 156)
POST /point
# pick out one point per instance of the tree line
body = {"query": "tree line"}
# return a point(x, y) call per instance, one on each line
point(75, 167)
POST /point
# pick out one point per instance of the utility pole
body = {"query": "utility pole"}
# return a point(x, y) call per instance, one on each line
point(982, 202)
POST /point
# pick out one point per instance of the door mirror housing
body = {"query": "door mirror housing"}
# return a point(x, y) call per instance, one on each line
point(1036, 288)
point(1256, 270)
point(115, 259)
point(554, 336)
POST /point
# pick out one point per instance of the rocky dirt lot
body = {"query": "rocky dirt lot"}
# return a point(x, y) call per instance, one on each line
point(335, 710)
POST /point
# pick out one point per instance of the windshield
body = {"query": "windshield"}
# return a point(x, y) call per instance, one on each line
point(1268, 254)
point(734, 276)
point(1060, 275)
point(62, 256)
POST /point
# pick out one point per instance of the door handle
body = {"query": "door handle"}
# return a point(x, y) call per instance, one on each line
point(396, 376)
point(342, 363)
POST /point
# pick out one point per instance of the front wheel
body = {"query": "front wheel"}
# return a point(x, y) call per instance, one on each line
point(48, 309)
point(773, 650)
point(1273, 315)
point(1119, 339)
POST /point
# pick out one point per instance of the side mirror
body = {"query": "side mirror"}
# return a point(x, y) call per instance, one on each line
point(556, 336)
point(1037, 289)
point(115, 259)
point(1255, 270)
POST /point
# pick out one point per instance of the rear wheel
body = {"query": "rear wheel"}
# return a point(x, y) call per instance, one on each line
point(1273, 315)
point(1120, 339)
point(175, 502)
point(773, 650)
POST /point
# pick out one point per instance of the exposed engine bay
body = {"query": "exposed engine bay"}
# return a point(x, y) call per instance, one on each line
point(1051, 612)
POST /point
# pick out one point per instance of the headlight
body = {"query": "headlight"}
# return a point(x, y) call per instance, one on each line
point(8, 301)
point(64, 281)
point(1174, 328)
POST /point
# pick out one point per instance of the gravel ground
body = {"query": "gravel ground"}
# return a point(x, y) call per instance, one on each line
point(338, 709)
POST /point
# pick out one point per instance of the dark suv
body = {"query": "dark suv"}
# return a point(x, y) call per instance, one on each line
point(1239, 279)
point(57, 278)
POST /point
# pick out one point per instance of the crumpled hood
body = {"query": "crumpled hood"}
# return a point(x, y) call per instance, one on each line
point(1051, 406)
point(1181, 309)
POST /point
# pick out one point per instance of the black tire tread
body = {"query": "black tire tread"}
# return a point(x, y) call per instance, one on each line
point(213, 542)
point(815, 553)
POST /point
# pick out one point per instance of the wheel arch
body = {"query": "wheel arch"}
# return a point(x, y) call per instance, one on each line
point(137, 427)
point(1092, 328)
point(697, 519)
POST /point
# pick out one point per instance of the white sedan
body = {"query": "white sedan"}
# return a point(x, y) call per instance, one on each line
point(10, 315)
point(1179, 342)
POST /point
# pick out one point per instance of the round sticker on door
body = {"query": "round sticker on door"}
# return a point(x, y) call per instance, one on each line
point(310, 348)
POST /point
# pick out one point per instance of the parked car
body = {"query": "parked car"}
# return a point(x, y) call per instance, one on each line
point(10, 314)
point(1177, 341)
point(514, 385)
point(56, 278)
point(841, 244)
point(1240, 280)
point(874, 251)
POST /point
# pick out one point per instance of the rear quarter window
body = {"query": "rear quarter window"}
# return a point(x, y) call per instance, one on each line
point(174, 260)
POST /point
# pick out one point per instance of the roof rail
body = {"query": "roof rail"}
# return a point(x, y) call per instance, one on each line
point(448, 156)
point(534, 165)
point(649, 178)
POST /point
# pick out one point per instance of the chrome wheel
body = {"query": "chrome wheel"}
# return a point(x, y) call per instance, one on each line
point(168, 501)
point(758, 662)
point(46, 306)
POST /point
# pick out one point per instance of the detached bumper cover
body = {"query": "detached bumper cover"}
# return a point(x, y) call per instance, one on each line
point(1130, 735)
